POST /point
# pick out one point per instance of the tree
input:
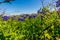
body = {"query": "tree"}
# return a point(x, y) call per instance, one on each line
point(6, 1)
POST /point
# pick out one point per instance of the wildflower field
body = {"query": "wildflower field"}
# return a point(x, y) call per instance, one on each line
point(30, 27)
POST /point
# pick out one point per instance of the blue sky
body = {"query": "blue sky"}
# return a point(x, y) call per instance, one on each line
point(22, 6)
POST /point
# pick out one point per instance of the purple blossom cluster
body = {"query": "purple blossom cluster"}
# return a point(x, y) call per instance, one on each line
point(5, 18)
point(57, 3)
point(20, 18)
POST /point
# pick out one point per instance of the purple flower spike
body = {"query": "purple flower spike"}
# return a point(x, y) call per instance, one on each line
point(30, 16)
point(20, 19)
point(34, 16)
point(5, 18)
point(24, 17)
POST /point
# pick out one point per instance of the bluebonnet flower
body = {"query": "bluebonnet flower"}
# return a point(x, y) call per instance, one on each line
point(30, 16)
point(24, 17)
point(57, 3)
point(20, 19)
point(5, 17)
point(34, 16)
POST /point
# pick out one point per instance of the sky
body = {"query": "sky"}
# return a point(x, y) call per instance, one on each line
point(22, 6)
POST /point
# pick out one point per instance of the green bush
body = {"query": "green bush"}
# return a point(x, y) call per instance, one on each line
point(46, 28)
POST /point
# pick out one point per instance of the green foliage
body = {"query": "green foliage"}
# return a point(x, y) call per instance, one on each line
point(46, 28)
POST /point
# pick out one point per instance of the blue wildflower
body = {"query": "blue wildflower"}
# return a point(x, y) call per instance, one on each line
point(24, 17)
point(57, 3)
point(5, 17)
point(34, 16)
point(20, 19)
point(30, 16)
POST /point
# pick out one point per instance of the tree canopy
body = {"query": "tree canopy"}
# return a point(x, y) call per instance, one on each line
point(6, 1)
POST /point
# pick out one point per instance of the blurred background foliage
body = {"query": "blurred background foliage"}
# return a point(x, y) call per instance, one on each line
point(30, 27)
point(45, 25)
